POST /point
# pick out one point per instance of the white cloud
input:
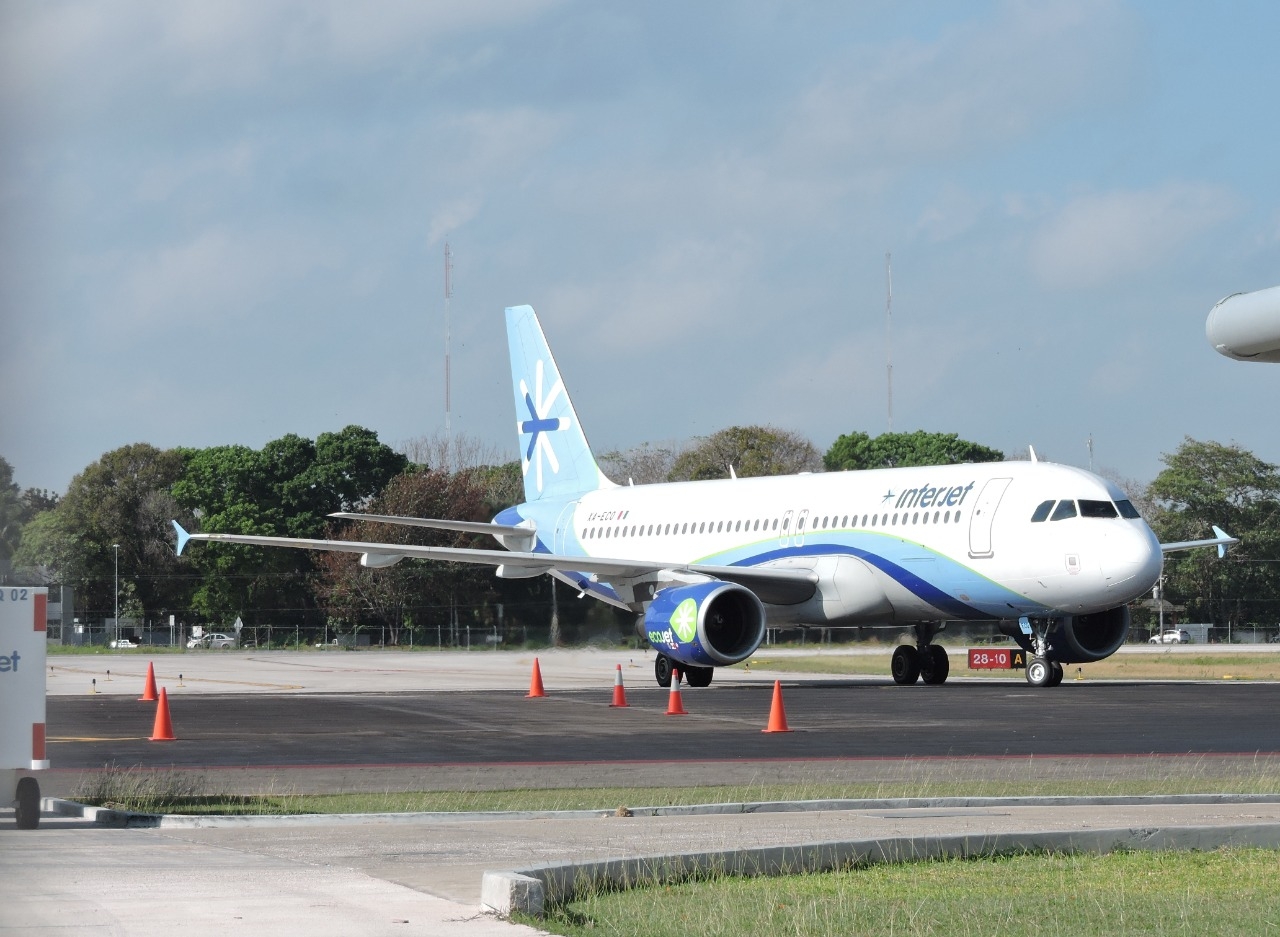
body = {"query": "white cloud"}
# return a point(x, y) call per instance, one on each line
point(1101, 238)
point(162, 178)
point(90, 50)
point(212, 279)
point(979, 84)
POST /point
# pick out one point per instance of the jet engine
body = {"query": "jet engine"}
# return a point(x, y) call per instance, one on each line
point(707, 624)
point(1080, 639)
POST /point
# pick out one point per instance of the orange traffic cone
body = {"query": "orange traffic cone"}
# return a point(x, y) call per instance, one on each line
point(619, 694)
point(674, 706)
point(777, 714)
point(163, 730)
point(535, 682)
point(149, 694)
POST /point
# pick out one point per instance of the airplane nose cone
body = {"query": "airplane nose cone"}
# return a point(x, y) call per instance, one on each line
point(1134, 560)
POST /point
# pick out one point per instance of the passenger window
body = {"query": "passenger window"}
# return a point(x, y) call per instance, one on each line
point(1127, 509)
point(915, 517)
point(864, 520)
point(895, 520)
point(1097, 509)
point(935, 516)
point(1064, 510)
point(1041, 512)
point(946, 518)
point(957, 517)
point(926, 517)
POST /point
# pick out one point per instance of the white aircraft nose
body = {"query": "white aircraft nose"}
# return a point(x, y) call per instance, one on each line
point(1133, 559)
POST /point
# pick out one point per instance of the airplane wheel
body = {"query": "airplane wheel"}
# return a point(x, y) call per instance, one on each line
point(662, 670)
point(1058, 673)
point(698, 676)
point(28, 803)
point(905, 665)
point(1040, 672)
point(934, 665)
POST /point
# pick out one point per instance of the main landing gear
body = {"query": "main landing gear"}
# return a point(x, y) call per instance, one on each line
point(925, 661)
point(693, 676)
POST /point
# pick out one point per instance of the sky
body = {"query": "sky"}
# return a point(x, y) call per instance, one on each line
point(225, 222)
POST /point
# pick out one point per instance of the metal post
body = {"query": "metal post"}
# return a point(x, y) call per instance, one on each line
point(116, 589)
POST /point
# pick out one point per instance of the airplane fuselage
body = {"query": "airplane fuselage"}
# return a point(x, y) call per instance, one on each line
point(949, 542)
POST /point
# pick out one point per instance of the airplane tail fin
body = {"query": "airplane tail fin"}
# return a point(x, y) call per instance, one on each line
point(554, 453)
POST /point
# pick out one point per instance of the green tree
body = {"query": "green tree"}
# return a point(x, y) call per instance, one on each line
point(18, 509)
point(897, 450)
point(413, 594)
point(288, 488)
point(1207, 483)
point(122, 500)
point(10, 515)
point(750, 450)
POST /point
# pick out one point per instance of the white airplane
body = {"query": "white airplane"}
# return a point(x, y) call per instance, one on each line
point(1052, 553)
point(1246, 326)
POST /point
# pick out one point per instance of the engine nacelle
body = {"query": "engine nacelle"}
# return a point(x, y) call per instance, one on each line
point(707, 624)
point(1080, 639)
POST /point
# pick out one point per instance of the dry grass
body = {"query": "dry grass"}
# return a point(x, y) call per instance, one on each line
point(1140, 664)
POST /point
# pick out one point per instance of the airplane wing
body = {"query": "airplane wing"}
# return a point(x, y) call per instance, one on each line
point(773, 585)
point(1221, 540)
point(469, 527)
point(511, 536)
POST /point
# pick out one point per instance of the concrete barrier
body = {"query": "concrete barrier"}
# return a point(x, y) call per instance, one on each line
point(534, 889)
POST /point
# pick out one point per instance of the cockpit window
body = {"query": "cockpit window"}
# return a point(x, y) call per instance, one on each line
point(1097, 509)
point(1127, 509)
point(1064, 510)
point(1041, 512)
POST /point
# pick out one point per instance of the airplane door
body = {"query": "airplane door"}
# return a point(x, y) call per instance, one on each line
point(564, 529)
point(785, 536)
point(983, 513)
point(800, 521)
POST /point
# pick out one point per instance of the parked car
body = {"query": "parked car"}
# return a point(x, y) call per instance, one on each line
point(121, 643)
point(214, 639)
point(1174, 636)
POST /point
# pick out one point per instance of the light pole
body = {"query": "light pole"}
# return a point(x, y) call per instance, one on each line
point(116, 589)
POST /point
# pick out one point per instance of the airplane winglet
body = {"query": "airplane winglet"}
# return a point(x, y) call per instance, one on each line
point(183, 536)
point(1222, 535)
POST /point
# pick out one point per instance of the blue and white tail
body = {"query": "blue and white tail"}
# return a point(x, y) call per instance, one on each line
point(554, 453)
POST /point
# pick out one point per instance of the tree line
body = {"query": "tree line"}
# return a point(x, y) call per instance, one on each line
point(115, 516)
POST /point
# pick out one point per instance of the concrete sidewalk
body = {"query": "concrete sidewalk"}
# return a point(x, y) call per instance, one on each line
point(369, 875)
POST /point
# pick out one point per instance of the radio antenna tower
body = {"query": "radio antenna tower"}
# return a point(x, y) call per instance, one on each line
point(888, 332)
point(448, 336)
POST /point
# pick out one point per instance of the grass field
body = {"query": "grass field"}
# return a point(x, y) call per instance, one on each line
point(1223, 892)
point(1156, 664)
point(174, 791)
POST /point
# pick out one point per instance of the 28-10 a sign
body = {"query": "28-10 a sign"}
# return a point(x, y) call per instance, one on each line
point(997, 658)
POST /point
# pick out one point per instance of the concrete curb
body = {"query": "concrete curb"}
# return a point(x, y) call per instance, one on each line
point(109, 817)
point(534, 889)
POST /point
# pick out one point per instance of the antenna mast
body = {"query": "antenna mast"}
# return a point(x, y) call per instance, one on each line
point(888, 332)
point(448, 336)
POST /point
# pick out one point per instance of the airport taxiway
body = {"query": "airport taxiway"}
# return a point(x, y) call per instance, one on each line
point(393, 721)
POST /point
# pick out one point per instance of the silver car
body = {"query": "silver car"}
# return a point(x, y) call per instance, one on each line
point(1175, 636)
point(214, 639)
